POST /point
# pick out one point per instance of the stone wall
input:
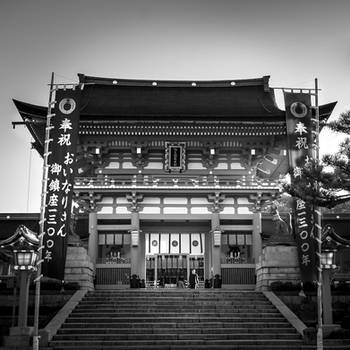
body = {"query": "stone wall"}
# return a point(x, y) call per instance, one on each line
point(79, 267)
point(277, 263)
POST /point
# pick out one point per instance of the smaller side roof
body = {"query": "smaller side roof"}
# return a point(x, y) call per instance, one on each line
point(10, 221)
point(331, 238)
point(21, 236)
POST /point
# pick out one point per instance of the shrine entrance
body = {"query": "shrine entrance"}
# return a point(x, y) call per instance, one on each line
point(170, 257)
point(166, 270)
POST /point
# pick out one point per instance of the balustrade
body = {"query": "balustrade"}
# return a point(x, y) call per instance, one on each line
point(170, 181)
point(113, 260)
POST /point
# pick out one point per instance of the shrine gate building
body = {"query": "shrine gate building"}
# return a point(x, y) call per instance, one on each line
point(171, 177)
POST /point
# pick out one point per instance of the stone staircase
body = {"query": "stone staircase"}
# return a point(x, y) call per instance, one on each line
point(175, 319)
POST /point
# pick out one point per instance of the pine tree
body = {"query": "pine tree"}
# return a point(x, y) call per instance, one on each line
point(327, 183)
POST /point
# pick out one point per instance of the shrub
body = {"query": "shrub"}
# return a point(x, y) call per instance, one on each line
point(71, 286)
point(284, 286)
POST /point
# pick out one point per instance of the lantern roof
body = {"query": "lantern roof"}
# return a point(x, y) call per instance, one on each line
point(22, 237)
point(331, 240)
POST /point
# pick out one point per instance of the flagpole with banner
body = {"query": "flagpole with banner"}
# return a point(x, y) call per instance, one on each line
point(318, 230)
point(60, 148)
point(36, 337)
point(302, 120)
point(60, 181)
point(299, 136)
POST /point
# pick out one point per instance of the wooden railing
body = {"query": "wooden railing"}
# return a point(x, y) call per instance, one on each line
point(164, 181)
point(108, 274)
point(235, 260)
point(113, 261)
point(238, 274)
point(342, 277)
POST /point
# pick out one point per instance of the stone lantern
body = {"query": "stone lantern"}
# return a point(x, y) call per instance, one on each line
point(24, 245)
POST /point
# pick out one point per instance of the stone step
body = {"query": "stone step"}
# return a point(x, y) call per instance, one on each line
point(197, 313)
point(175, 291)
point(178, 295)
point(182, 330)
point(189, 319)
point(172, 336)
point(156, 325)
point(175, 304)
point(186, 296)
point(186, 342)
point(174, 299)
point(331, 344)
point(209, 291)
point(106, 307)
point(202, 347)
point(156, 301)
point(191, 303)
point(175, 319)
point(183, 310)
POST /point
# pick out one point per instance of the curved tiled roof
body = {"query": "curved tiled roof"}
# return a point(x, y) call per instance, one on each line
point(247, 103)
point(213, 100)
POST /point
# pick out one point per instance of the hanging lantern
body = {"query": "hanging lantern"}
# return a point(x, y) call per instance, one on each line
point(329, 249)
point(217, 237)
point(135, 237)
point(25, 259)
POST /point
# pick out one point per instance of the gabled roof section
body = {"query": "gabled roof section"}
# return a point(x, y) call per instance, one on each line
point(325, 111)
point(251, 99)
point(21, 236)
point(331, 238)
point(35, 118)
point(248, 101)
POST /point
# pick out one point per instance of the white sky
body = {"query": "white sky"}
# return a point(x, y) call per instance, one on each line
point(293, 41)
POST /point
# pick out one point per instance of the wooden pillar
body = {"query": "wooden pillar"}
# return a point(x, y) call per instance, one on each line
point(142, 252)
point(188, 267)
point(257, 243)
point(155, 270)
point(23, 298)
point(138, 265)
point(327, 297)
point(207, 255)
point(215, 251)
point(93, 237)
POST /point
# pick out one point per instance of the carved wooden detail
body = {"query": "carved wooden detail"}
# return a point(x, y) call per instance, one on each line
point(215, 201)
point(139, 155)
point(87, 202)
point(134, 199)
point(210, 156)
point(259, 199)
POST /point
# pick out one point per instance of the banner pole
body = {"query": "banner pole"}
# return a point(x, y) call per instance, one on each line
point(317, 218)
point(36, 337)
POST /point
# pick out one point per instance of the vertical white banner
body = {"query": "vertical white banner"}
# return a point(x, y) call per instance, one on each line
point(154, 243)
point(185, 243)
point(174, 243)
point(147, 245)
point(196, 244)
point(118, 239)
point(164, 243)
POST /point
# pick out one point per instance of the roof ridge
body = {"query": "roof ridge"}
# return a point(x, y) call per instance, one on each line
point(263, 81)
